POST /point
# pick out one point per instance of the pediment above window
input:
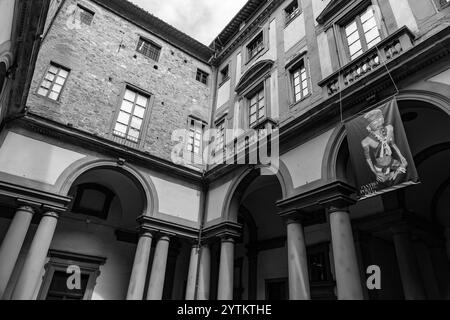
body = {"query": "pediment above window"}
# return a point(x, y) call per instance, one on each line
point(330, 10)
point(338, 11)
point(253, 74)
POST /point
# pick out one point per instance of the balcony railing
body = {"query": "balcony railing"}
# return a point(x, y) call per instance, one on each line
point(123, 139)
point(385, 51)
point(240, 146)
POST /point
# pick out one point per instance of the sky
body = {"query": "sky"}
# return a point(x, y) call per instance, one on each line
point(201, 19)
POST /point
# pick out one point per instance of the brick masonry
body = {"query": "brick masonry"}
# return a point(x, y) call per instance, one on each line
point(102, 58)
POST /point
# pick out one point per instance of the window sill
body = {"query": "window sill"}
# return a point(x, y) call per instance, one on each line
point(47, 98)
point(288, 21)
point(294, 104)
point(258, 55)
point(224, 81)
point(148, 58)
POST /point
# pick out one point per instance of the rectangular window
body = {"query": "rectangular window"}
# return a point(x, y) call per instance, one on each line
point(54, 285)
point(220, 137)
point(257, 108)
point(131, 115)
point(319, 263)
point(255, 46)
point(86, 15)
point(148, 49)
point(300, 82)
point(224, 74)
point(58, 289)
point(292, 11)
point(53, 82)
point(362, 33)
point(195, 139)
point(202, 76)
point(443, 3)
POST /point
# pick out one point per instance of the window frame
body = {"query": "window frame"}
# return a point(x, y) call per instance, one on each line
point(204, 125)
point(321, 248)
point(288, 18)
point(300, 61)
point(249, 43)
point(145, 120)
point(152, 43)
point(223, 79)
point(218, 123)
point(261, 87)
point(43, 78)
point(102, 214)
point(442, 4)
point(202, 73)
point(356, 17)
point(83, 8)
point(61, 260)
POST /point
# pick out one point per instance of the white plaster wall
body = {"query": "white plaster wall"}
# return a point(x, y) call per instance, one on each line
point(223, 94)
point(35, 160)
point(294, 32)
point(236, 117)
point(177, 200)
point(274, 106)
point(403, 14)
point(270, 54)
point(324, 55)
point(443, 77)
point(305, 162)
point(6, 19)
point(318, 6)
point(216, 198)
point(238, 67)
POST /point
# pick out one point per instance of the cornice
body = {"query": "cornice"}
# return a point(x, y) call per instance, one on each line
point(158, 226)
point(224, 230)
point(336, 194)
point(249, 29)
point(59, 131)
point(38, 199)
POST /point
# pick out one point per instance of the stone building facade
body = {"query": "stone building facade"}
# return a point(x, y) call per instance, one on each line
point(88, 184)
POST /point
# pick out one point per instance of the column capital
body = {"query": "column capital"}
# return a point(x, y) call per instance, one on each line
point(223, 230)
point(145, 234)
point(227, 239)
point(25, 208)
point(332, 209)
point(335, 194)
point(51, 214)
point(164, 237)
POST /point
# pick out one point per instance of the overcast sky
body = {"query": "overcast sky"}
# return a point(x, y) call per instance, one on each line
point(201, 19)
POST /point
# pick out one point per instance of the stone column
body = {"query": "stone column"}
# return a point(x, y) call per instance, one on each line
point(192, 273)
point(35, 259)
point(345, 262)
point(140, 266)
point(226, 270)
point(413, 288)
point(204, 275)
point(157, 277)
point(12, 244)
point(297, 262)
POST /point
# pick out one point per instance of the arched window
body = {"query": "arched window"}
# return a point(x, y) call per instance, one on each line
point(93, 200)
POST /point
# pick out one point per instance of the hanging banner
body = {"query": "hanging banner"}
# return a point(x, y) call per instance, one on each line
point(379, 151)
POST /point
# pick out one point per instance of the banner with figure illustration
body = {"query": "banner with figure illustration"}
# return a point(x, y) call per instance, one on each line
point(379, 151)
